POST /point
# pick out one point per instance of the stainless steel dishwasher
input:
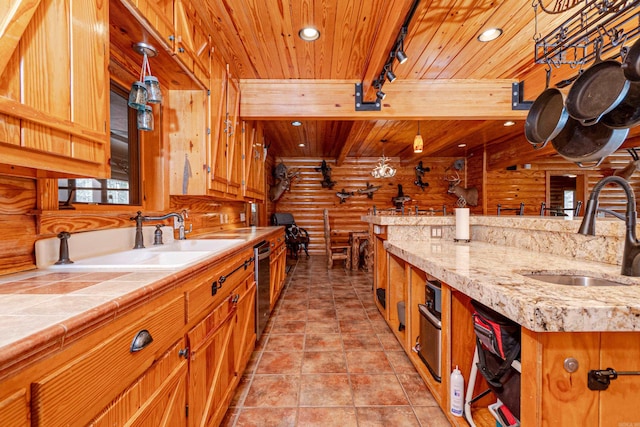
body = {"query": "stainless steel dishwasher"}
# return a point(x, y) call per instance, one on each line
point(261, 253)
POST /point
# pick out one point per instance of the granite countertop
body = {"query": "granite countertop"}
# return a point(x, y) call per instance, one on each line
point(489, 274)
point(39, 308)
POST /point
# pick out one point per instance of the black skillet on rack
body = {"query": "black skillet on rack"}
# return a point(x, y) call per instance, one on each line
point(597, 90)
point(547, 116)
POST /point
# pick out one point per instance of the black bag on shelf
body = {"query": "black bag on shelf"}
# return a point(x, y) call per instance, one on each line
point(498, 342)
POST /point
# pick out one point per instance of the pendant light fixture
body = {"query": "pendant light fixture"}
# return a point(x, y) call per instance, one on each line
point(146, 89)
point(418, 143)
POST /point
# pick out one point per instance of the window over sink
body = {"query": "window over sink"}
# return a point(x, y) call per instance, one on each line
point(123, 188)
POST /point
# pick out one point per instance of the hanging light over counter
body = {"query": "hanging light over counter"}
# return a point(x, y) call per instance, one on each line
point(418, 143)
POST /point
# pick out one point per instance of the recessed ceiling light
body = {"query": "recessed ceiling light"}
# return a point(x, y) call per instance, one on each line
point(309, 34)
point(509, 123)
point(296, 123)
point(462, 145)
point(490, 34)
point(301, 144)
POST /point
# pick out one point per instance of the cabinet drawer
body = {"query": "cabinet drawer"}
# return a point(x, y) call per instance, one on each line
point(73, 394)
point(208, 289)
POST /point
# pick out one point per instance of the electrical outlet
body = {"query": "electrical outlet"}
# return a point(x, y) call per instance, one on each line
point(242, 217)
point(436, 231)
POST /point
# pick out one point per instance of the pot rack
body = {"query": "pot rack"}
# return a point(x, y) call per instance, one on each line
point(607, 25)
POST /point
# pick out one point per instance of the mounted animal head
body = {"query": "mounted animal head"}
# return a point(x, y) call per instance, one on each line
point(466, 196)
point(283, 177)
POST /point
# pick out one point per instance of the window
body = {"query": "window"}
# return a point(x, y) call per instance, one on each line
point(123, 188)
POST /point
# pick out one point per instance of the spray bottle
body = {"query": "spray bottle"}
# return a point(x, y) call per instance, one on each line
point(457, 392)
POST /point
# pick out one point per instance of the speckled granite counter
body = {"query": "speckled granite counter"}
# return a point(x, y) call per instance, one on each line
point(39, 308)
point(490, 274)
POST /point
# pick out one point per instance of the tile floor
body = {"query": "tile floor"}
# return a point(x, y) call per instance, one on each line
point(327, 358)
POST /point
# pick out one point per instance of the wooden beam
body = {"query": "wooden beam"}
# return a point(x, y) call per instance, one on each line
point(15, 15)
point(358, 132)
point(406, 100)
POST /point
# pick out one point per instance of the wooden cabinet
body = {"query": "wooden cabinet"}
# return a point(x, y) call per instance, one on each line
point(160, 16)
point(192, 43)
point(14, 410)
point(278, 266)
point(226, 150)
point(188, 153)
point(157, 398)
point(253, 158)
point(85, 385)
point(220, 346)
point(54, 92)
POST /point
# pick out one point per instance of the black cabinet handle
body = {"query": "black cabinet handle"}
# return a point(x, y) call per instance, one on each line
point(142, 339)
point(184, 352)
point(217, 284)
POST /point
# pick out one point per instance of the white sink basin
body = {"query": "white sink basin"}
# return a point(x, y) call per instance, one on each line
point(209, 245)
point(140, 259)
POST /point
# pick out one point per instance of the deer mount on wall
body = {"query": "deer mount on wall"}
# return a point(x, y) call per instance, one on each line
point(283, 176)
point(466, 196)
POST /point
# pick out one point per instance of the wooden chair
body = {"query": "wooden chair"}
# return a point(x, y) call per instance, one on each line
point(335, 251)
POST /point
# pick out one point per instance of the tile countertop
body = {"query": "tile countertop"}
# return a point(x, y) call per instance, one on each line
point(489, 273)
point(39, 308)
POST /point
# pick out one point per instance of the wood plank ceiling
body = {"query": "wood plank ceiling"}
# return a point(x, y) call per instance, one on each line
point(260, 38)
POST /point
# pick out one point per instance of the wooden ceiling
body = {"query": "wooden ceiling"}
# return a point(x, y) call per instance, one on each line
point(260, 39)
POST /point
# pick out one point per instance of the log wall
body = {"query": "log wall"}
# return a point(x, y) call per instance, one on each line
point(307, 199)
point(17, 224)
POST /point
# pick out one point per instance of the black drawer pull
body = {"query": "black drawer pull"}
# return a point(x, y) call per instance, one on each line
point(142, 339)
point(217, 284)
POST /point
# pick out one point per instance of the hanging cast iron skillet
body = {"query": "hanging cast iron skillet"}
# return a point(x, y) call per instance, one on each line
point(631, 64)
point(583, 144)
point(597, 91)
point(546, 118)
point(627, 112)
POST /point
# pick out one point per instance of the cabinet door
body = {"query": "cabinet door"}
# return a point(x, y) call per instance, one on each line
point(253, 161)
point(157, 398)
point(219, 131)
point(212, 374)
point(54, 98)
point(14, 410)
point(187, 140)
point(192, 41)
point(159, 15)
point(244, 336)
point(234, 138)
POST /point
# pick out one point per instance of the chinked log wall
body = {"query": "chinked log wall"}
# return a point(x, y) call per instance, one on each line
point(307, 198)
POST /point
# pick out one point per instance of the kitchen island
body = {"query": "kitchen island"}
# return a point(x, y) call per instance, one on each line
point(114, 345)
point(599, 327)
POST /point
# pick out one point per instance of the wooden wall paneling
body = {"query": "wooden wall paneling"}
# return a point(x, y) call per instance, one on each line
point(10, 89)
point(17, 224)
point(307, 198)
point(207, 215)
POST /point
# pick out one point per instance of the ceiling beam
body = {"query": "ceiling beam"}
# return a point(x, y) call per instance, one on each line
point(14, 17)
point(358, 133)
point(470, 99)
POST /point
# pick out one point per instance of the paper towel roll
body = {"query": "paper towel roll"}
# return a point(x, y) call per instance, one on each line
point(462, 224)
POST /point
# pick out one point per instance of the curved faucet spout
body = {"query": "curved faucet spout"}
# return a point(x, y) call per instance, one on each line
point(631, 254)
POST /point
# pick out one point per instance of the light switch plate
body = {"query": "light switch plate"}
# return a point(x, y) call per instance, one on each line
point(436, 232)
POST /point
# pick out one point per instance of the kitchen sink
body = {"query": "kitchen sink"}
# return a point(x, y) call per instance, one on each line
point(139, 259)
point(209, 245)
point(573, 279)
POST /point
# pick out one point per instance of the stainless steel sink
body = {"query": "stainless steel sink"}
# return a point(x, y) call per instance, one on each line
point(573, 279)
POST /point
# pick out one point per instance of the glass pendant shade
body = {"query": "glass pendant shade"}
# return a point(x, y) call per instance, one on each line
point(138, 96)
point(154, 94)
point(145, 118)
point(418, 144)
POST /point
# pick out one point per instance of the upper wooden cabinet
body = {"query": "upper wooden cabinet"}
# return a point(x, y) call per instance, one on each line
point(253, 161)
point(192, 45)
point(160, 15)
point(54, 91)
point(226, 150)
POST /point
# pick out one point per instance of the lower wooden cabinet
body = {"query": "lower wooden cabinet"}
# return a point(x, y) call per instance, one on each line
point(218, 348)
point(278, 267)
point(14, 410)
point(158, 398)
